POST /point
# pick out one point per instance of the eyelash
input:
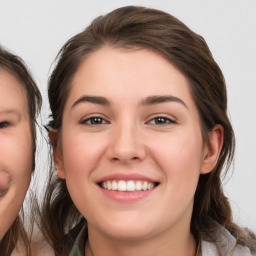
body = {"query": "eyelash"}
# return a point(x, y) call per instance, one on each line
point(4, 124)
point(89, 121)
point(94, 121)
point(163, 120)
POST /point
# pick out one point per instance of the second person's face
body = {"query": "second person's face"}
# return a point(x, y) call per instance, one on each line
point(131, 146)
point(15, 149)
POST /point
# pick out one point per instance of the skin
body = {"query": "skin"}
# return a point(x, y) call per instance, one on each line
point(130, 140)
point(15, 149)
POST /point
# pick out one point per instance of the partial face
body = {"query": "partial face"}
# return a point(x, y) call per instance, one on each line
point(130, 146)
point(15, 149)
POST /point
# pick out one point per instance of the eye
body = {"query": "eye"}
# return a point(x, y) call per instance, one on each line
point(4, 124)
point(94, 121)
point(160, 120)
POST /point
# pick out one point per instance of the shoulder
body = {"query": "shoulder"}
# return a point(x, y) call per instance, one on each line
point(222, 243)
point(213, 249)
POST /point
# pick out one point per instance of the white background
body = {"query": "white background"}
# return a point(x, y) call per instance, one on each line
point(36, 30)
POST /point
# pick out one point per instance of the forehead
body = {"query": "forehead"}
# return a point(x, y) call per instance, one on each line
point(12, 92)
point(142, 70)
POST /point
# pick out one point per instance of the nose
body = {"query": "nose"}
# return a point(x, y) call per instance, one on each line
point(126, 144)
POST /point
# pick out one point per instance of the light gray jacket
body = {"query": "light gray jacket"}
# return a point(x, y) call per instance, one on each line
point(225, 245)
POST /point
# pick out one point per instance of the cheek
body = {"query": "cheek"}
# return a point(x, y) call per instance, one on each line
point(179, 156)
point(4, 181)
point(17, 156)
point(24, 156)
point(22, 167)
point(16, 160)
point(80, 156)
point(81, 153)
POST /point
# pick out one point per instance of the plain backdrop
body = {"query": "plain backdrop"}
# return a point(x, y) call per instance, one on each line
point(36, 30)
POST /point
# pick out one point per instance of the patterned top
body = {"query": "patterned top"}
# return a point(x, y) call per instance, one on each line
point(76, 239)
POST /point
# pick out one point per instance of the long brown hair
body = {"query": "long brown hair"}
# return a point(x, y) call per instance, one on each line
point(15, 66)
point(138, 27)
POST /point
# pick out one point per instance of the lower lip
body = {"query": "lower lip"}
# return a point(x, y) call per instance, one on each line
point(127, 196)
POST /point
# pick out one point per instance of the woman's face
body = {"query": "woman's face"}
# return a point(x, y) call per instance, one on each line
point(15, 149)
point(131, 147)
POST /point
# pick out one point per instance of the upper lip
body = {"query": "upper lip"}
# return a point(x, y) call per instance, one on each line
point(125, 177)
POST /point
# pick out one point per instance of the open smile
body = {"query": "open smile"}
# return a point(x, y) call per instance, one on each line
point(129, 185)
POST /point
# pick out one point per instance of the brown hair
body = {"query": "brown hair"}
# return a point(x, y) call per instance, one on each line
point(139, 27)
point(15, 66)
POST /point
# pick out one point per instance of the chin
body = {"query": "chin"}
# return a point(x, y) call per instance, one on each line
point(128, 229)
point(129, 233)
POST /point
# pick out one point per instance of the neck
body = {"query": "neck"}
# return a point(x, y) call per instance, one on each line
point(177, 243)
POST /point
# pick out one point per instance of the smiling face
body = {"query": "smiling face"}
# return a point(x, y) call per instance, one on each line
point(131, 147)
point(15, 149)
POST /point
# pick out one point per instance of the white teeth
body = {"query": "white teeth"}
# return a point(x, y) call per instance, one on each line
point(130, 185)
point(138, 185)
point(121, 185)
point(145, 185)
point(104, 185)
point(150, 185)
point(109, 185)
point(114, 185)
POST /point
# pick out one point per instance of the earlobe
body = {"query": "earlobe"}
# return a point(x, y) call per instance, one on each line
point(61, 174)
point(212, 149)
point(53, 136)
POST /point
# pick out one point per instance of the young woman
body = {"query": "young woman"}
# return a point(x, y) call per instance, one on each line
point(20, 101)
point(140, 135)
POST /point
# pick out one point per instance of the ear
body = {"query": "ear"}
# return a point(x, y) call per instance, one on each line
point(212, 149)
point(53, 136)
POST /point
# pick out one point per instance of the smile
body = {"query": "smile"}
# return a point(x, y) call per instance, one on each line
point(129, 186)
point(3, 192)
point(4, 182)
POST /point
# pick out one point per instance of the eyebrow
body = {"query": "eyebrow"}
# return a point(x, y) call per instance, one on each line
point(10, 111)
point(156, 99)
point(92, 99)
point(151, 100)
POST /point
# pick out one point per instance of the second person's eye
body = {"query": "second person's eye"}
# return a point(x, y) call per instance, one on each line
point(4, 124)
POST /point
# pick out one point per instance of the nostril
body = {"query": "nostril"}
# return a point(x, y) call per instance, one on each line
point(120, 159)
